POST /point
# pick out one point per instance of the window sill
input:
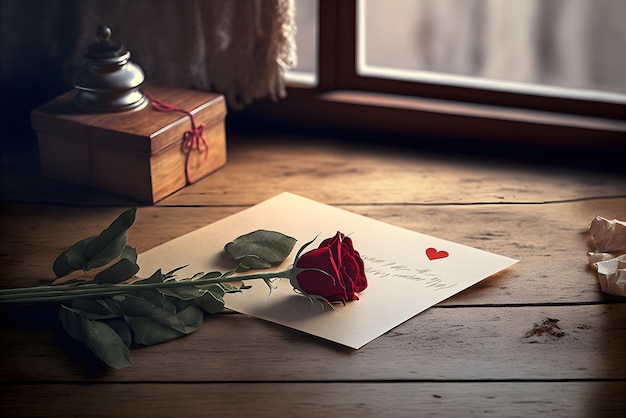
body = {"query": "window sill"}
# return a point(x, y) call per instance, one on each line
point(422, 117)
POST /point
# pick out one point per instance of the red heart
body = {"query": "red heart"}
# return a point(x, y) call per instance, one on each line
point(433, 254)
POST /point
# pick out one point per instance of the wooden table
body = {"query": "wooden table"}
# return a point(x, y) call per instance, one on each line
point(472, 355)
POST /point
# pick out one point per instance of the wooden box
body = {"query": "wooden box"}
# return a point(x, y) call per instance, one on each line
point(137, 153)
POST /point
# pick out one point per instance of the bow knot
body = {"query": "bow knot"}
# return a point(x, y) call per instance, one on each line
point(193, 138)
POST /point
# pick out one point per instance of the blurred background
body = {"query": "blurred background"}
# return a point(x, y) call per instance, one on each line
point(576, 44)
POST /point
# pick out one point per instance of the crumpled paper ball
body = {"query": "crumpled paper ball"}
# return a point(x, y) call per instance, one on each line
point(609, 235)
point(610, 239)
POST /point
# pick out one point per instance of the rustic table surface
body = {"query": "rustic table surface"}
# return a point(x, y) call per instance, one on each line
point(475, 354)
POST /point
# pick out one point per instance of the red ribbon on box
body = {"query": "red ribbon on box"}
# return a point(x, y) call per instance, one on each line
point(193, 139)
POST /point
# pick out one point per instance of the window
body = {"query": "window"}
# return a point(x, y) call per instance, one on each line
point(530, 69)
point(571, 49)
point(305, 70)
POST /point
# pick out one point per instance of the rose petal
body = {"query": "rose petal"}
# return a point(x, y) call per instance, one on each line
point(317, 283)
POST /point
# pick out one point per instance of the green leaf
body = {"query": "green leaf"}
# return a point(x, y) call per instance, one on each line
point(210, 275)
point(212, 301)
point(71, 259)
point(154, 319)
point(229, 288)
point(108, 253)
point(129, 253)
point(159, 277)
point(260, 249)
point(97, 308)
point(122, 329)
point(155, 329)
point(192, 317)
point(147, 331)
point(171, 272)
point(137, 302)
point(156, 277)
point(99, 250)
point(99, 337)
point(123, 270)
point(180, 304)
point(162, 311)
point(184, 293)
point(248, 262)
point(107, 246)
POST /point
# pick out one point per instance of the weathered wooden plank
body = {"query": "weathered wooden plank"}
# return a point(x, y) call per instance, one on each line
point(334, 172)
point(450, 344)
point(550, 240)
point(464, 357)
point(399, 399)
point(338, 173)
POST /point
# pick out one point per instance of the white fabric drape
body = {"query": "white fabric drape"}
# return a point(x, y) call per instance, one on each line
point(237, 47)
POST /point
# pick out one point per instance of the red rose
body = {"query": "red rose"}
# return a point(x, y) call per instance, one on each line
point(342, 273)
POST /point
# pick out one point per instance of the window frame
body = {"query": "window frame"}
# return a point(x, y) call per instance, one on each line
point(431, 109)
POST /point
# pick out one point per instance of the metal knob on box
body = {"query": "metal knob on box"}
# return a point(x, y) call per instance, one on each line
point(109, 81)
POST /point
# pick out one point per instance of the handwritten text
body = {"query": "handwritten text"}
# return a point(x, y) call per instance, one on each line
point(382, 268)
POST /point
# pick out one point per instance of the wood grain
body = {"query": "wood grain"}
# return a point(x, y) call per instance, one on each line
point(472, 355)
point(451, 344)
point(397, 399)
point(338, 174)
point(145, 131)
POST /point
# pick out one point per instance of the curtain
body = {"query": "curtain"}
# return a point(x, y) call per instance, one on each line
point(237, 47)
